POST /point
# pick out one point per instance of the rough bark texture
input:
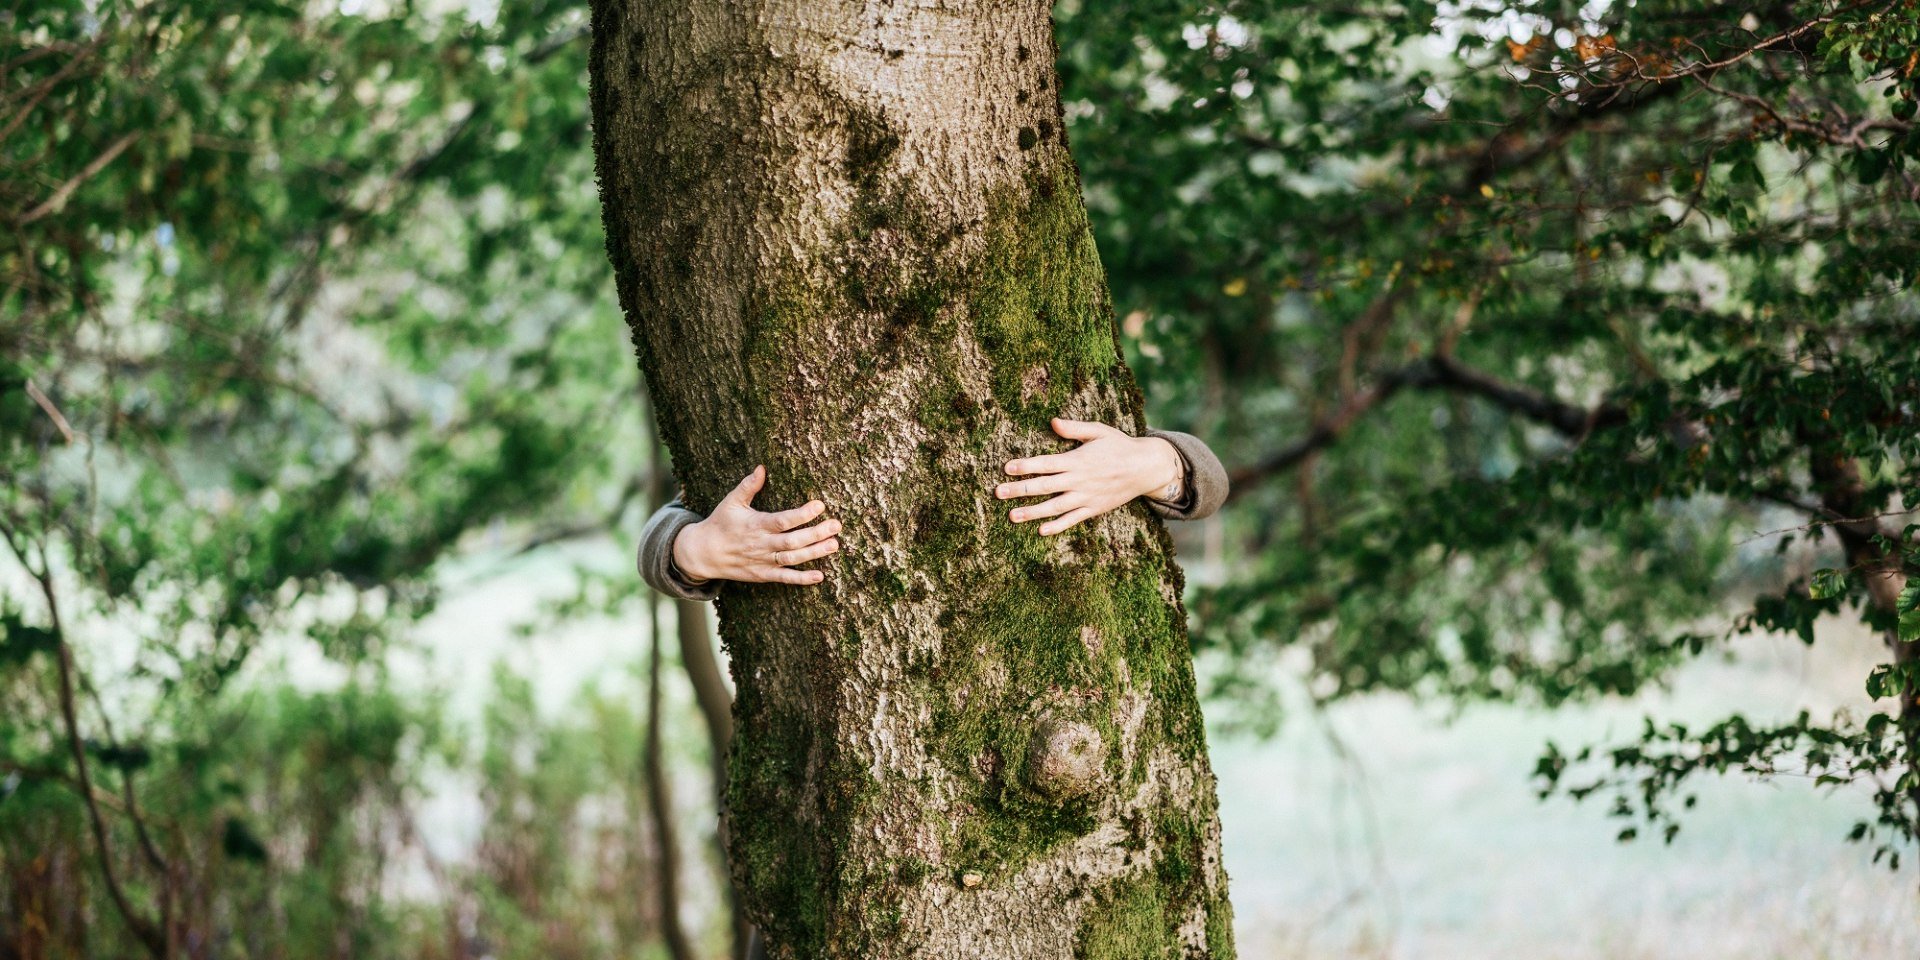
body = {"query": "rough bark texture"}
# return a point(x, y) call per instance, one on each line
point(850, 240)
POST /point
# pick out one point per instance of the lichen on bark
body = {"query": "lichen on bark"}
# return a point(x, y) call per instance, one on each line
point(867, 265)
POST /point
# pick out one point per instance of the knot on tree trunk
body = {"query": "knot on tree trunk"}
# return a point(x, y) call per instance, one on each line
point(1065, 759)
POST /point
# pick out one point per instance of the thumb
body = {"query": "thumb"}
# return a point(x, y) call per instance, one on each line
point(744, 491)
point(1081, 430)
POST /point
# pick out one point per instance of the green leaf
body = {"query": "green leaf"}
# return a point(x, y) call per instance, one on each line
point(1882, 682)
point(1827, 584)
point(1909, 609)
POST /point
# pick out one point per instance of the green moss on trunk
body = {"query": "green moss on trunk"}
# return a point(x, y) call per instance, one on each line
point(888, 363)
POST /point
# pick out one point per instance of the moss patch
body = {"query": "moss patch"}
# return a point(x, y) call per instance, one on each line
point(1014, 656)
point(1126, 922)
point(1220, 930)
point(784, 872)
point(1040, 307)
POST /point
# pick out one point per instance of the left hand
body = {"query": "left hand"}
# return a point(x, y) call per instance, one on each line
point(1107, 470)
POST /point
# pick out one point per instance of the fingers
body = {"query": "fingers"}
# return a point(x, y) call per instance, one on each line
point(789, 519)
point(1082, 430)
point(1015, 489)
point(798, 578)
point(1059, 524)
point(1050, 508)
point(793, 558)
point(1046, 463)
point(744, 491)
point(784, 560)
point(796, 539)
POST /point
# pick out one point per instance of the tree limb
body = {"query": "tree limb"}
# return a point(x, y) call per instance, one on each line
point(144, 930)
point(59, 198)
point(659, 797)
point(1438, 372)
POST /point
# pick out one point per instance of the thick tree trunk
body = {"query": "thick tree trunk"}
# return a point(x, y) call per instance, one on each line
point(850, 241)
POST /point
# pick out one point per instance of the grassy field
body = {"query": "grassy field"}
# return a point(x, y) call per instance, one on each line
point(1386, 830)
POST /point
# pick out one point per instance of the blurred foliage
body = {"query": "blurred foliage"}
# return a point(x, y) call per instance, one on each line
point(1519, 321)
point(1515, 322)
point(295, 303)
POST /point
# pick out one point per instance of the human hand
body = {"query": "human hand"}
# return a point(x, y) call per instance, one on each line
point(1105, 471)
point(737, 542)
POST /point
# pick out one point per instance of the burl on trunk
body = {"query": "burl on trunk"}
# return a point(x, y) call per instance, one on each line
point(850, 241)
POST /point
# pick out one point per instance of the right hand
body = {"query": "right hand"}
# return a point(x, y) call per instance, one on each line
point(740, 543)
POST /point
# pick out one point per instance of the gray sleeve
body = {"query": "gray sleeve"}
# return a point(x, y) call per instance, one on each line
point(656, 555)
point(1206, 479)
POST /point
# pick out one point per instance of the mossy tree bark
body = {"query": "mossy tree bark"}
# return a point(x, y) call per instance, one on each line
point(850, 241)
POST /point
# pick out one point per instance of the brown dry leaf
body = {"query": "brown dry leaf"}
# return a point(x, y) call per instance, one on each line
point(1593, 48)
point(1520, 51)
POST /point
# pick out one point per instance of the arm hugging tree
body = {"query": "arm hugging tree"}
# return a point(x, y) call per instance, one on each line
point(852, 247)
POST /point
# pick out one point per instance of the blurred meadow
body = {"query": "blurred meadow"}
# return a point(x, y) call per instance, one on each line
point(1563, 354)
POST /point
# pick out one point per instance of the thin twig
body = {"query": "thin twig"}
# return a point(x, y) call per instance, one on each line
point(1762, 535)
point(59, 198)
point(53, 412)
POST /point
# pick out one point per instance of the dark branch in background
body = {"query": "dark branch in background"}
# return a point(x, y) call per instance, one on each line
point(59, 197)
point(653, 764)
point(1437, 373)
point(140, 831)
point(1569, 420)
point(144, 930)
point(1784, 39)
point(659, 803)
point(1500, 155)
point(715, 699)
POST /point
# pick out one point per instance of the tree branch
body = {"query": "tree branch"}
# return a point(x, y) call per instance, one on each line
point(143, 929)
point(59, 198)
point(1437, 372)
point(659, 797)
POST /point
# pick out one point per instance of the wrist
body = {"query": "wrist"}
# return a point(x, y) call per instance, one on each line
point(687, 555)
point(1166, 471)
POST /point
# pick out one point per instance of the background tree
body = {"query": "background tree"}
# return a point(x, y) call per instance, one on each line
point(293, 306)
point(1544, 310)
point(852, 247)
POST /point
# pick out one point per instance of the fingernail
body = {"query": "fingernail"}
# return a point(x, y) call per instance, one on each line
point(1016, 516)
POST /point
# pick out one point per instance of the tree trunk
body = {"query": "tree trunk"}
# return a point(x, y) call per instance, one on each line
point(850, 241)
